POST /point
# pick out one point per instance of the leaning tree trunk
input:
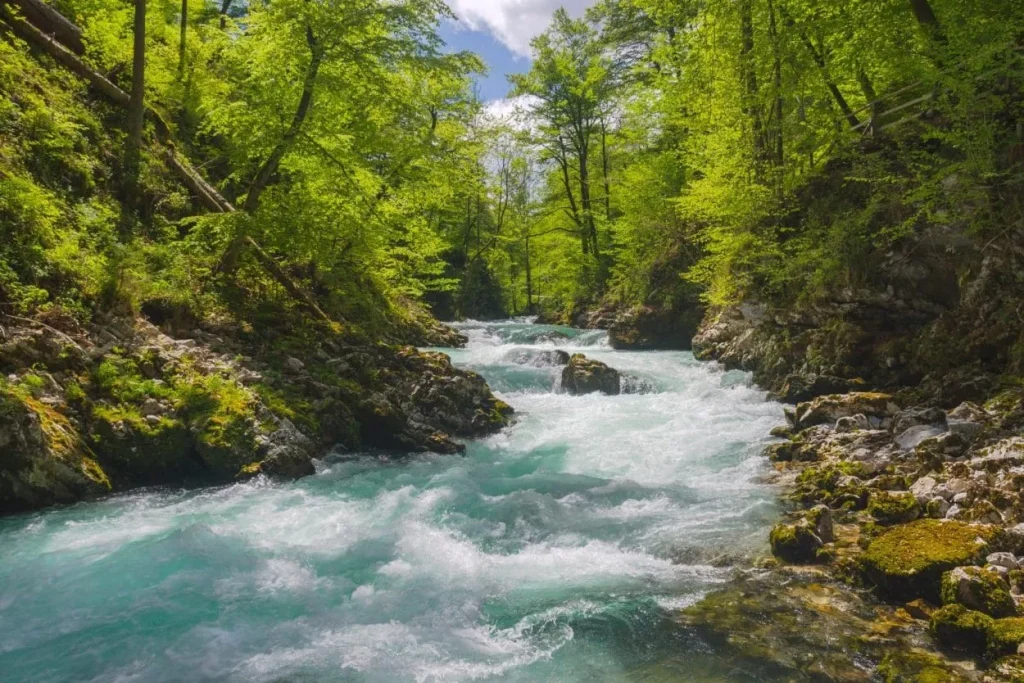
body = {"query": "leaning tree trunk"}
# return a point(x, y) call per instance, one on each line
point(51, 22)
point(229, 262)
point(204, 191)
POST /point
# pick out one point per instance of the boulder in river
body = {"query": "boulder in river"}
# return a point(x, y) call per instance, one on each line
point(585, 376)
point(539, 358)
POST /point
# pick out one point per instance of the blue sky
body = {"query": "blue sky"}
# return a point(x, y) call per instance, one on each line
point(500, 31)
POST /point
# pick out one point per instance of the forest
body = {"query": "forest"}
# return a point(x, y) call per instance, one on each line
point(335, 157)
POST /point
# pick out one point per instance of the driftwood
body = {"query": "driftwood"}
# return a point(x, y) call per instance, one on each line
point(205, 192)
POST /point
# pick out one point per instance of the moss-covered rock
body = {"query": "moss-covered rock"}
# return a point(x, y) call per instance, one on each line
point(586, 376)
point(978, 589)
point(908, 561)
point(889, 507)
point(43, 459)
point(796, 543)
point(1004, 636)
point(959, 628)
point(917, 666)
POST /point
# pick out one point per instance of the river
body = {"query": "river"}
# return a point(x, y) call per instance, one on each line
point(553, 551)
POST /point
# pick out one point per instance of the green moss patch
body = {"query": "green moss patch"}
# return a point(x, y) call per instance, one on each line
point(893, 507)
point(959, 628)
point(908, 561)
point(1004, 635)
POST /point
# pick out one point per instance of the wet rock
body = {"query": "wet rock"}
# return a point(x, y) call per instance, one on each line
point(586, 376)
point(636, 385)
point(977, 589)
point(651, 327)
point(908, 561)
point(539, 358)
point(796, 543)
point(917, 666)
point(828, 409)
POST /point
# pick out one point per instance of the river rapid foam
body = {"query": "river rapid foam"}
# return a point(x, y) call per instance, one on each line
point(554, 551)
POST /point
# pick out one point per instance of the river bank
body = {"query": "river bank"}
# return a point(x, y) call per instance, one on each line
point(904, 536)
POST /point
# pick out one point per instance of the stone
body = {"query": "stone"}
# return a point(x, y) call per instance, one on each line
point(978, 589)
point(151, 407)
point(294, 365)
point(968, 431)
point(889, 507)
point(796, 543)
point(937, 508)
point(924, 489)
point(586, 376)
point(1006, 637)
point(852, 424)
point(959, 628)
point(911, 437)
point(828, 409)
point(918, 417)
point(954, 511)
point(908, 561)
point(820, 517)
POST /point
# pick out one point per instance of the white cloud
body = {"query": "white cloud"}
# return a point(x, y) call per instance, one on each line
point(513, 22)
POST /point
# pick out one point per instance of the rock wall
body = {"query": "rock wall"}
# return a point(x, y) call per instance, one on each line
point(121, 404)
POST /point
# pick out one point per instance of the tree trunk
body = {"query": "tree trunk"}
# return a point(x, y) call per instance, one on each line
point(529, 276)
point(604, 169)
point(925, 16)
point(777, 83)
point(590, 230)
point(51, 22)
point(182, 39)
point(229, 262)
point(224, 7)
point(749, 75)
point(136, 116)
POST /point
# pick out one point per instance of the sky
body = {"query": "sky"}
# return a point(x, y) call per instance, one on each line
point(500, 32)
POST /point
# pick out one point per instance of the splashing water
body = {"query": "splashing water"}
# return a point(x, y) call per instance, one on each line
point(554, 551)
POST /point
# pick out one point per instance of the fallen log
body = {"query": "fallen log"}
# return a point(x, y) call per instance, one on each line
point(51, 22)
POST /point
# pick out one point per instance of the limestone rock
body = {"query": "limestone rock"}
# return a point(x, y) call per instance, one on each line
point(828, 409)
point(586, 376)
point(978, 589)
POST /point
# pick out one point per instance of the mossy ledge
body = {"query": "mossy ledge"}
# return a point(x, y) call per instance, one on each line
point(120, 404)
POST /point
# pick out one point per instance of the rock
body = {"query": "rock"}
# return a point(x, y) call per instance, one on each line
point(636, 385)
point(539, 358)
point(1006, 453)
point(804, 387)
point(586, 376)
point(911, 437)
point(959, 628)
point(294, 365)
point(1005, 637)
point(954, 512)
point(1003, 559)
point(915, 666)
point(820, 518)
point(908, 561)
point(946, 445)
point(919, 609)
point(968, 412)
point(651, 327)
point(893, 507)
point(151, 407)
point(1015, 538)
point(852, 424)
point(796, 543)
point(43, 460)
point(828, 409)
point(937, 508)
point(924, 489)
point(918, 417)
point(977, 589)
point(968, 431)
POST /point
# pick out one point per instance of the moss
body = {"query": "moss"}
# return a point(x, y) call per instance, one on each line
point(918, 667)
point(893, 508)
point(988, 592)
point(795, 543)
point(1004, 635)
point(959, 628)
point(908, 561)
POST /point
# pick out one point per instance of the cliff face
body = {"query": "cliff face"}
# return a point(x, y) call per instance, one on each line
point(943, 322)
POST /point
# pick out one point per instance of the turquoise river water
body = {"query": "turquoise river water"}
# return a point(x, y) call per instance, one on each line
point(554, 551)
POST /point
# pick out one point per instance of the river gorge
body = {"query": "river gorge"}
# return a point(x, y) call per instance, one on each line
point(558, 549)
